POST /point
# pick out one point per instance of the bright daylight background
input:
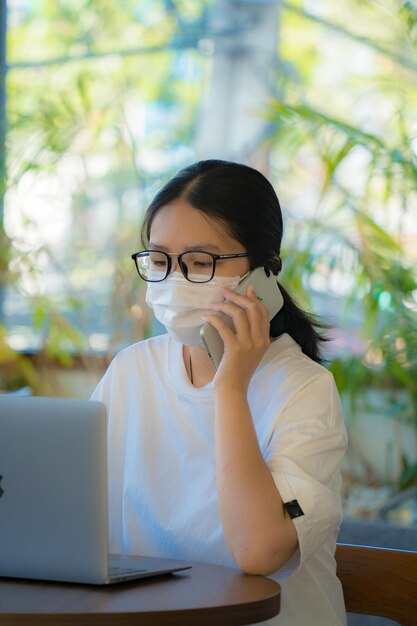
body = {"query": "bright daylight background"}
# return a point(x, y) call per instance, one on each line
point(106, 100)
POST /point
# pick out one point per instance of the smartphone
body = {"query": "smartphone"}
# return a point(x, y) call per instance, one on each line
point(267, 291)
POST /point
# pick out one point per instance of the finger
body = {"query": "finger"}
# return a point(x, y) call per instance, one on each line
point(237, 314)
point(250, 292)
point(245, 301)
point(255, 309)
point(226, 333)
point(251, 330)
point(239, 298)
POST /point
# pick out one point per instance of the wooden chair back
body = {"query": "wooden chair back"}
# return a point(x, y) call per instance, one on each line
point(379, 581)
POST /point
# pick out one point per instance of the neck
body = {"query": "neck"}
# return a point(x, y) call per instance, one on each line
point(198, 365)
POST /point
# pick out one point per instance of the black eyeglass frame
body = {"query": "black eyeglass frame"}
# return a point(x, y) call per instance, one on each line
point(182, 265)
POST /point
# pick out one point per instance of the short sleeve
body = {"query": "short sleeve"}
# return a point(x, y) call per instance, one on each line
point(112, 388)
point(304, 456)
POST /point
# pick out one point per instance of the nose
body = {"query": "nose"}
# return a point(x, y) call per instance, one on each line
point(175, 266)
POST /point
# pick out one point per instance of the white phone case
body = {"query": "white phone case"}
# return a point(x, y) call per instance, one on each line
point(267, 290)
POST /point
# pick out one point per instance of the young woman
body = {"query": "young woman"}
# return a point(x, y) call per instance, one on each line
point(238, 466)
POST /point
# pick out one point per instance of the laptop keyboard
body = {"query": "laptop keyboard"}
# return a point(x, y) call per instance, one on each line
point(116, 571)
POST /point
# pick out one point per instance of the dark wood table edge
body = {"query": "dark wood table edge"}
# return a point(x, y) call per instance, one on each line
point(238, 614)
point(251, 613)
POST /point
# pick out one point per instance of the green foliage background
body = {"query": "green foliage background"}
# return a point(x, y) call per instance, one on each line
point(83, 74)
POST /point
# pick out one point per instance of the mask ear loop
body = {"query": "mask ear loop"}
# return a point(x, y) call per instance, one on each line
point(242, 278)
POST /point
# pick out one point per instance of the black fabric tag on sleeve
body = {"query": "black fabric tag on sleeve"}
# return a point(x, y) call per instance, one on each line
point(293, 509)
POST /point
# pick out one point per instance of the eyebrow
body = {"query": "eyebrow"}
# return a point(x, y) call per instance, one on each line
point(206, 247)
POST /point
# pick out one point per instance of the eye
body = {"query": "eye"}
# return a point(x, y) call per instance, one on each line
point(157, 260)
point(198, 260)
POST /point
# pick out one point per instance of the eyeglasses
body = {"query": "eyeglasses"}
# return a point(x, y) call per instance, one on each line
point(197, 266)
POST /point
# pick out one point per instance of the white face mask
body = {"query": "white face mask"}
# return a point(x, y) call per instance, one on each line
point(179, 304)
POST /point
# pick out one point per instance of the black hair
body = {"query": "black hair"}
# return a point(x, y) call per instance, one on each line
point(244, 201)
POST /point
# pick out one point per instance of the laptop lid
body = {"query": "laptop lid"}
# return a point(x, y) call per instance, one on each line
point(53, 504)
point(53, 495)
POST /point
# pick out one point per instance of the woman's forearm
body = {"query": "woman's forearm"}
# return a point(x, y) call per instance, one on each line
point(258, 531)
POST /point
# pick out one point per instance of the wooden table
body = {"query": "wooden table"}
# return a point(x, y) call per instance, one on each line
point(204, 595)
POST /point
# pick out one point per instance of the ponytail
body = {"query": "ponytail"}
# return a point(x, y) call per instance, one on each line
point(301, 326)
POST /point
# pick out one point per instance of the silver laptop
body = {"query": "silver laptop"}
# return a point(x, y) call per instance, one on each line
point(53, 495)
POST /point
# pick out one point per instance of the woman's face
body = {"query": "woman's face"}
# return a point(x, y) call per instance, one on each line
point(178, 227)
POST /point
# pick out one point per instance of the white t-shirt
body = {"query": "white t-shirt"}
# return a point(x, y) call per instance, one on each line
point(162, 484)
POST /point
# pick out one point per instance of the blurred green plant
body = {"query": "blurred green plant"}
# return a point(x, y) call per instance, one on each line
point(85, 80)
point(352, 241)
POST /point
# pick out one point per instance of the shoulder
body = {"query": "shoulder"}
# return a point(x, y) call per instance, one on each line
point(132, 364)
point(138, 358)
point(288, 365)
point(296, 386)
